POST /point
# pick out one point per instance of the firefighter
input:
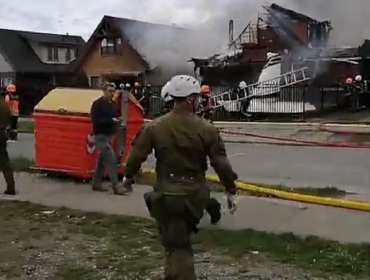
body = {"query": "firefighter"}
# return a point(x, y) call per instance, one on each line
point(147, 94)
point(205, 104)
point(12, 100)
point(359, 92)
point(181, 141)
point(137, 92)
point(355, 93)
point(128, 87)
point(5, 166)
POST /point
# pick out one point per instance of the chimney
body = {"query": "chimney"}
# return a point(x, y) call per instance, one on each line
point(231, 31)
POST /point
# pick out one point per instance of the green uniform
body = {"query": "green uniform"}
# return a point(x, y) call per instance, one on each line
point(4, 157)
point(182, 142)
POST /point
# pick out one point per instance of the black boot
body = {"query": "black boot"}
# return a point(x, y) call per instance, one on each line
point(10, 191)
point(214, 210)
point(9, 178)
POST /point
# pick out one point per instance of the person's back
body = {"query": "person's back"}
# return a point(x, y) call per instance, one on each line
point(181, 143)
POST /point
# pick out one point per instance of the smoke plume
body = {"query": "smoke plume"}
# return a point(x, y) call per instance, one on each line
point(209, 33)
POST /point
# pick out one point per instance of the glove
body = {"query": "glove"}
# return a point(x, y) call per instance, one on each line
point(127, 184)
point(232, 202)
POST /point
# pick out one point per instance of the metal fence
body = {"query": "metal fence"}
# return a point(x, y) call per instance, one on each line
point(272, 102)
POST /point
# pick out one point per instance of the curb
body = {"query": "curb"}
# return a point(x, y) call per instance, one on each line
point(311, 199)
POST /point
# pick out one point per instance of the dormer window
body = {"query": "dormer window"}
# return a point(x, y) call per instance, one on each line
point(53, 54)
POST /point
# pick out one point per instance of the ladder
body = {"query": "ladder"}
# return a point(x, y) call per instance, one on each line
point(264, 88)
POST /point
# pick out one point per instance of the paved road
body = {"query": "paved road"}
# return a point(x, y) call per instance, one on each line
point(287, 165)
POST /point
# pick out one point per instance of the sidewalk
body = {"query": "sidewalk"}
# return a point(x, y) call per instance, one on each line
point(258, 213)
point(293, 131)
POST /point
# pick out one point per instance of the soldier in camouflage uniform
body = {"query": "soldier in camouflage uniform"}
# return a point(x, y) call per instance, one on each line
point(5, 165)
point(182, 142)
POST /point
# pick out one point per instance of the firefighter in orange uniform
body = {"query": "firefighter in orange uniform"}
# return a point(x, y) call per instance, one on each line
point(12, 100)
point(206, 106)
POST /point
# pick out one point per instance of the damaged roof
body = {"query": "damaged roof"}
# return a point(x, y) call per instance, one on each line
point(144, 37)
point(15, 47)
point(293, 14)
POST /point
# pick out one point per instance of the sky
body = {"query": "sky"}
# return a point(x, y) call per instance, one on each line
point(350, 20)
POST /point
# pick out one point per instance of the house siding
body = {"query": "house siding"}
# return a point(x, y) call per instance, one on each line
point(127, 60)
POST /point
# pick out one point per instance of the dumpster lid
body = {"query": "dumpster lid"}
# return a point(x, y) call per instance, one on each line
point(69, 100)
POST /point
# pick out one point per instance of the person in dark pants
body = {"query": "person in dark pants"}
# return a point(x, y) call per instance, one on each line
point(5, 165)
point(181, 142)
point(104, 119)
point(147, 94)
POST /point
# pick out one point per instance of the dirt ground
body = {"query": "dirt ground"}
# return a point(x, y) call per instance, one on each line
point(42, 243)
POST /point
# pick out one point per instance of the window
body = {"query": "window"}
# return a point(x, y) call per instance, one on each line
point(4, 82)
point(110, 45)
point(56, 54)
point(95, 81)
point(50, 54)
point(68, 55)
point(53, 54)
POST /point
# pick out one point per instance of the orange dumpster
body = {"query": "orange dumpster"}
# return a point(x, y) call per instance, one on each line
point(63, 128)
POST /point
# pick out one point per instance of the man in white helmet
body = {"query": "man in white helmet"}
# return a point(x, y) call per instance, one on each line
point(167, 99)
point(182, 142)
point(356, 93)
point(128, 86)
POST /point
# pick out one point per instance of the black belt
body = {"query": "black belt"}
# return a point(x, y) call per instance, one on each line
point(182, 175)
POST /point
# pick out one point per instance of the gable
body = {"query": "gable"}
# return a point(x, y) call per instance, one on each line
point(17, 48)
point(152, 42)
point(125, 61)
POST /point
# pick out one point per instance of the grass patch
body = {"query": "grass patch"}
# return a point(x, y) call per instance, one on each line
point(21, 164)
point(67, 244)
point(26, 126)
point(310, 253)
point(149, 179)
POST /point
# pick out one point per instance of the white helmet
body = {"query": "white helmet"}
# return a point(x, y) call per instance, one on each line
point(127, 85)
point(184, 86)
point(358, 78)
point(137, 84)
point(242, 85)
point(165, 92)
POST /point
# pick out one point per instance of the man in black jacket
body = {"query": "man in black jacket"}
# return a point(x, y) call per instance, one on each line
point(104, 119)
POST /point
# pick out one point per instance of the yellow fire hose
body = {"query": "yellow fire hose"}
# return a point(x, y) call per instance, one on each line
point(311, 199)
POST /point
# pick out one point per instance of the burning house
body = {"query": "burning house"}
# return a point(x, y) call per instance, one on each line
point(283, 49)
point(297, 38)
